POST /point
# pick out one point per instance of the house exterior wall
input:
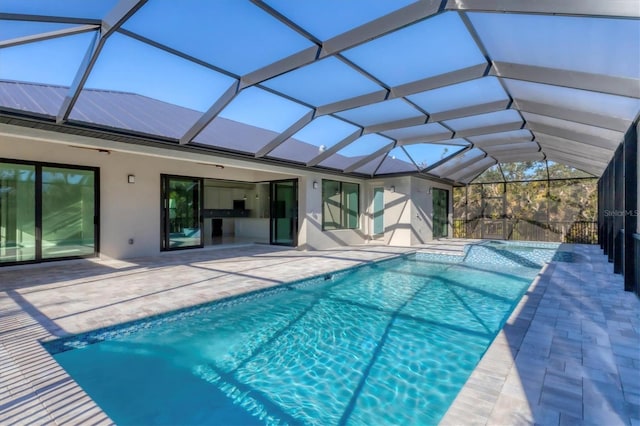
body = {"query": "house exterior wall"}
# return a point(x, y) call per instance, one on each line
point(127, 211)
point(422, 215)
point(311, 235)
point(398, 211)
point(408, 210)
point(132, 211)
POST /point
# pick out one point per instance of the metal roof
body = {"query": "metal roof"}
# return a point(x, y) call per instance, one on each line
point(446, 88)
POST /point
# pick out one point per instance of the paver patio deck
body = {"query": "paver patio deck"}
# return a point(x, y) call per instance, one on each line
point(570, 352)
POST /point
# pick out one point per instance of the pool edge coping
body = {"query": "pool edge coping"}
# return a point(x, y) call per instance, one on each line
point(497, 353)
point(211, 304)
point(151, 320)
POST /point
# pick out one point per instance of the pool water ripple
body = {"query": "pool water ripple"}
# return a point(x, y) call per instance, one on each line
point(390, 343)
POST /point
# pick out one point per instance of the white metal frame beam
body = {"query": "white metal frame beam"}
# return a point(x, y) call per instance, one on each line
point(528, 146)
point(439, 163)
point(595, 169)
point(469, 111)
point(467, 175)
point(439, 137)
point(399, 124)
point(582, 117)
point(576, 149)
point(286, 134)
point(356, 102)
point(442, 80)
point(48, 35)
point(584, 138)
point(297, 60)
point(369, 158)
point(211, 113)
point(114, 19)
point(335, 148)
point(551, 153)
point(477, 131)
point(621, 86)
point(395, 20)
point(455, 168)
point(527, 156)
point(407, 15)
point(504, 141)
point(49, 18)
point(609, 8)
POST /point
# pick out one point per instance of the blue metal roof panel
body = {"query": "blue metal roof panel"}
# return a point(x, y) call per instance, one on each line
point(37, 98)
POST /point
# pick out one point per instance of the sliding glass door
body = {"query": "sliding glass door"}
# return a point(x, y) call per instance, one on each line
point(284, 213)
point(17, 213)
point(440, 213)
point(378, 211)
point(68, 211)
point(47, 212)
point(181, 212)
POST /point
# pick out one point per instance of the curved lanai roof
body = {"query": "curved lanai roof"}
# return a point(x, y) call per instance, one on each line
point(365, 87)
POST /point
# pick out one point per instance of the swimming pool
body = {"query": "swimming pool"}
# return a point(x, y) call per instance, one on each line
point(390, 343)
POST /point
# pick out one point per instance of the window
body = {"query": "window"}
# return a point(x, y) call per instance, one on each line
point(47, 211)
point(378, 211)
point(440, 213)
point(340, 205)
point(181, 212)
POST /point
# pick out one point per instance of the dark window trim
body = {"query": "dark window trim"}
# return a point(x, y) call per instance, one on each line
point(296, 224)
point(164, 224)
point(342, 226)
point(38, 209)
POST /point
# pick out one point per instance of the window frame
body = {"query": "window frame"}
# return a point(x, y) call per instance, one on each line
point(38, 206)
point(343, 206)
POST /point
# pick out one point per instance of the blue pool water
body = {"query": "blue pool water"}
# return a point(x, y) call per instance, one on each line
point(390, 343)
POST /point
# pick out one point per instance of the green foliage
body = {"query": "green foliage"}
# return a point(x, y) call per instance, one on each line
point(536, 208)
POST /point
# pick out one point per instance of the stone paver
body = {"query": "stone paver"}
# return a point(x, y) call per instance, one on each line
point(569, 353)
point(51, 300)
point(580, 345)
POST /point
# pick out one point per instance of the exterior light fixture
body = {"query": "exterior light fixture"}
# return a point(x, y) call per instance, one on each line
point(392, 189)
point(315, 185)
point(131, 179)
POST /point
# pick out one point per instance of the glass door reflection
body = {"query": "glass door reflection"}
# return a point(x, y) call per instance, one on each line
point(182, 217)
point(440, 213)
point(68, 212)
point(284, 213)
point(17, 213)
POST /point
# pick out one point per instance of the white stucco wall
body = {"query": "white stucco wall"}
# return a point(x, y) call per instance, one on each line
point(311, 235)
point(132, 211)
point(408, 208)
point(422, 217)
point(127, 211)
point(398, 211)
